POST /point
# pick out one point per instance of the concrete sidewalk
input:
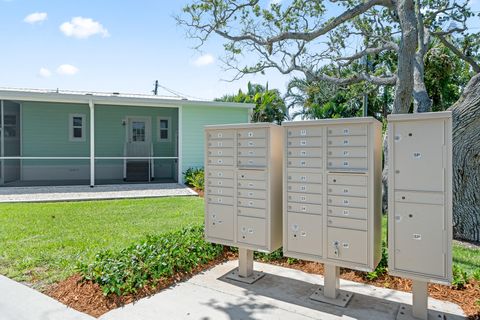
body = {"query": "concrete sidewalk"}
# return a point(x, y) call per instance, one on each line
point(281, 294)
point(102, 192)
point(19, 302)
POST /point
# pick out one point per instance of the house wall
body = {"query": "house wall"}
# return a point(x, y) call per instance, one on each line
point(194, 119)
point(46, 134)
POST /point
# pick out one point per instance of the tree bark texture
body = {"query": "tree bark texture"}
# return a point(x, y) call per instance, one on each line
point(466, 163)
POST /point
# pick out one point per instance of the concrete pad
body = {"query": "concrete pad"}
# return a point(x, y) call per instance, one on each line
point(19, 302)
point(101, 192)
point(281, 294)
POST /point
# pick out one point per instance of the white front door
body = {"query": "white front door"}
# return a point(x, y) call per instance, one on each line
point(139, 136)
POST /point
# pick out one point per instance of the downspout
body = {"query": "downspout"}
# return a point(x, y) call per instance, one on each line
point(2, 142)
point(92, 143)
point(180, 145)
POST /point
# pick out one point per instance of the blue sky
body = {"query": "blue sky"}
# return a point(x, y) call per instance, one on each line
point(121, 46)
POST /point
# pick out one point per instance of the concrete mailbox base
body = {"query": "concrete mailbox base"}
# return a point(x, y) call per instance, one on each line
point(244, 273)
point(330, 293)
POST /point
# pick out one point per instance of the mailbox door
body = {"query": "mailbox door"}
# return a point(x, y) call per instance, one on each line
point(251, 231)
point(347, 245)
point(220, 221)
point(418, 157)
point(419, 240)
point(304, 233)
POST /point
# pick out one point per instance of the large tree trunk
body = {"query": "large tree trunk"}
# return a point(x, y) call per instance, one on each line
point(466, 163)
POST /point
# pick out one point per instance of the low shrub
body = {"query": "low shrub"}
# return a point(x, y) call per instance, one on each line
point(154, 258)
point(460, 277)
point(476, 275)
point(195, 177)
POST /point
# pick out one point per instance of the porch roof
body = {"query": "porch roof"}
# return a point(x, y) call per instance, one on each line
point(115, 98)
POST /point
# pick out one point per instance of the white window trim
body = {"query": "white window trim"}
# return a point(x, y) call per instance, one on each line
point(169, 129)
point(70, 127)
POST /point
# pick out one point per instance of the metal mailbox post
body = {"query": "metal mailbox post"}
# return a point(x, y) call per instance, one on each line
point(332, 197)
point(243, 190)
point(420, 203)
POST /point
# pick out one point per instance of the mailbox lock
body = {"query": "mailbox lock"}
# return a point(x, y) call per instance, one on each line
point(337, 250)
point(334, 180)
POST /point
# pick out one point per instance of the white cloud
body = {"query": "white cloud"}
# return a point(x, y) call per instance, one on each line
point(67, 70)
point(83, 28)
point(35, 17)
point(204, 60)
point(44, 73)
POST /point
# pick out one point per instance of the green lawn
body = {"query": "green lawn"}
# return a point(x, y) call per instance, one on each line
point(41, 242)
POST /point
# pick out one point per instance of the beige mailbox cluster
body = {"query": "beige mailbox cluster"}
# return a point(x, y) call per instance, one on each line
point(420, 201)
point(243, 192)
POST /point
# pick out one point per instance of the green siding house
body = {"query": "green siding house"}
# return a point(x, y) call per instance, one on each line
point(58, 138)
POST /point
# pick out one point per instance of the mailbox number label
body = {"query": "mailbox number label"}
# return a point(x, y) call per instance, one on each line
point(346, 212)
point(219, 135)
point(303, 132)
point(346, 153)
point(250, 134)
point(346, 131)
point(303, 178)
point(346, 142)
point(303, 142)
point(220, 144)
point(345, 201)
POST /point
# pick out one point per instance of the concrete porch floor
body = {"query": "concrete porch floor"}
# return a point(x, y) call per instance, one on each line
point(84, 192)
point(281, 294)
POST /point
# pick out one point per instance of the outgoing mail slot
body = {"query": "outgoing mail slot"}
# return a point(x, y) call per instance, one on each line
point(304, 233)
point(220, 143)
point(221, 134)
point(348, 179)
point(304, 198)
point(220, 152)
point(347, 223)
point(220, 183)
point(347, 130)
point(305, 187)
point(419, 197)
point(347, 163)
point(347, 152)
point(307, 131)
point(221, 174)
point(252, 152)
point(252, 184)
point(214, 199)
point(251, 231)
point(354, 202)
point(251, 162)
point(304, 208)
point(251, 203)
point(351, 141)
point(251, 143)
point(220, 191)
point(251, 175)
point(223, 161)
point(304, 152)
point(252, 133)
point(304, 142)
point(254, 194)
point(347, 245)
point(355, 191)
point(304, 177)
point(304, 163)
point(220, 222)
point(251, 212)
point(354, 213)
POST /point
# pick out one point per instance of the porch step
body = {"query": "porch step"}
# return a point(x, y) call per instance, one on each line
point(137, 171)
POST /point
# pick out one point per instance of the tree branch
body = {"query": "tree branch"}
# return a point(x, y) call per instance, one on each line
point(475, 66)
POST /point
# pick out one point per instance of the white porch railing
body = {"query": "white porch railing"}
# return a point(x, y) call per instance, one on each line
point(138, 151)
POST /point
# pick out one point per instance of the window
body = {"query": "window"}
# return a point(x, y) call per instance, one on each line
point(77, 127)
point(10, 123)
point(138, 131)
point(164, 129)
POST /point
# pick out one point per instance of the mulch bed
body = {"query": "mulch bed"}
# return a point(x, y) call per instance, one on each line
point(87, 297)
point(466, 298)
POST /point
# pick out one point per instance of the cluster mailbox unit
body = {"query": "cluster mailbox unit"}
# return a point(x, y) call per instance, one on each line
point(332, 197)
point(420, 202)
point(243, 190)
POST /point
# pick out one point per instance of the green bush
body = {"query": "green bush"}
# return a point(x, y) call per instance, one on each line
point(154, 258)
point(460, 277)
point(476, 275)
point(195, 177)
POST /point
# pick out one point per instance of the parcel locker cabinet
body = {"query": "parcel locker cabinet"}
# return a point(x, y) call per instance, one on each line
point(332, 191)
point(420, 196)
point(243, 195)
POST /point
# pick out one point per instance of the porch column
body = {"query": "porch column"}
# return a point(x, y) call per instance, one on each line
point(180, 145)
point(2, 143)
point(92, 143)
